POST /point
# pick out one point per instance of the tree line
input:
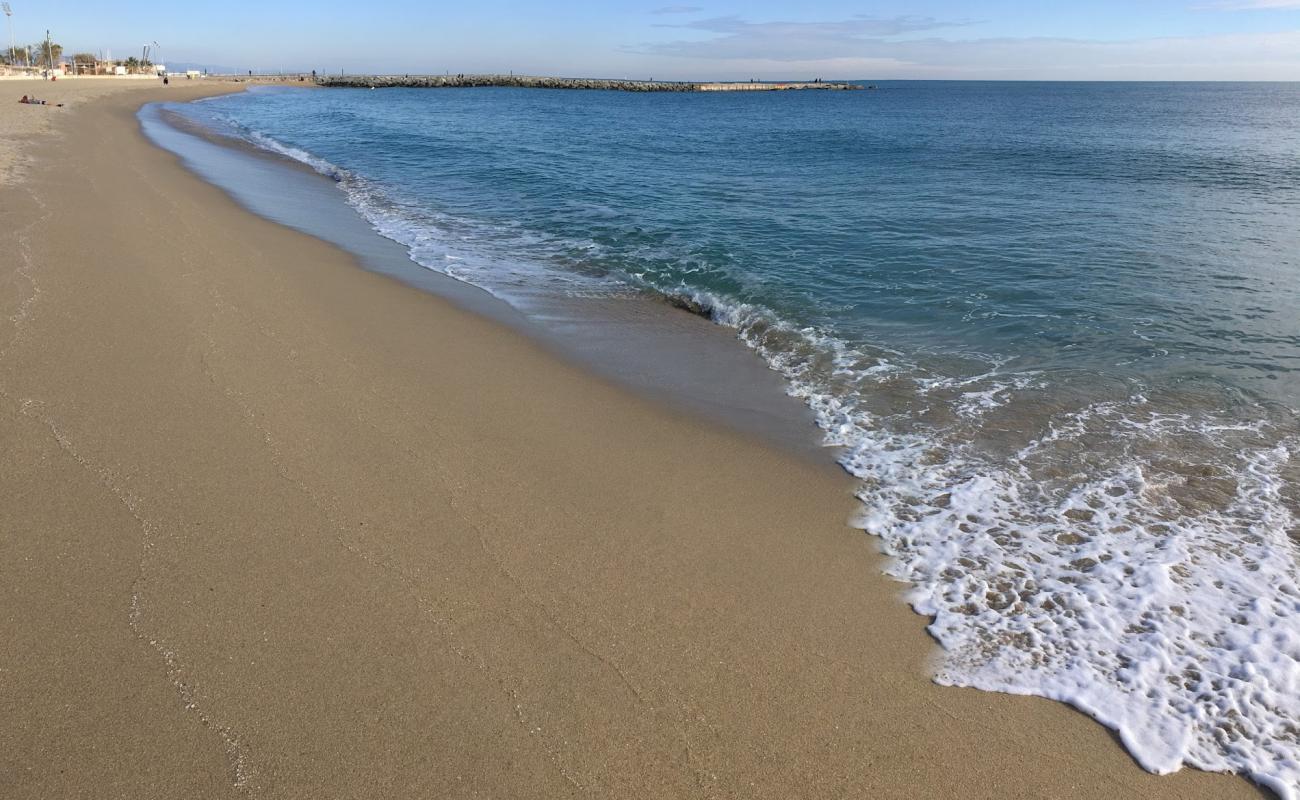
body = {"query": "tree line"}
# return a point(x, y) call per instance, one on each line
point(40, 54)
point(43, 55)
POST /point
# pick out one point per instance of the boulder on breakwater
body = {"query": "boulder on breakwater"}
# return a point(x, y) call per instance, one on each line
point(536, 82)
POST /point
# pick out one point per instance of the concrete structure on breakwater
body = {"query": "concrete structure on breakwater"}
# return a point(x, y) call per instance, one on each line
point(768, 87)
point(534, 82)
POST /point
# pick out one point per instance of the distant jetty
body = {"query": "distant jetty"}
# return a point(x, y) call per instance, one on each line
point(534, 82)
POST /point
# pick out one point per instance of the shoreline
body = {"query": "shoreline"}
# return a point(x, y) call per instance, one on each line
point(335, 536)
point(655, 345)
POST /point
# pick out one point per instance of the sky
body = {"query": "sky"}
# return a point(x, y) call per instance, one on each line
point(700, 39)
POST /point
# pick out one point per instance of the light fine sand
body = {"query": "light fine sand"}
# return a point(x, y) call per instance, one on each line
point(276, 527)
point(21, 125)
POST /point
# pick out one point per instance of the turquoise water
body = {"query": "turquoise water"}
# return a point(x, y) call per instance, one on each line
point(1053, 328)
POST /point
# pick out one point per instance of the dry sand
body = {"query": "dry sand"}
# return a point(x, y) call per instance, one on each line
point(21, 125)
point(274, 526)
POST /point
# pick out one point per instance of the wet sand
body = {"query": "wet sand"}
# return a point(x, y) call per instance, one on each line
point(276, 526)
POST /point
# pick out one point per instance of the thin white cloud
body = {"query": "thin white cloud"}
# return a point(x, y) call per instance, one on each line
point(739, 38)
point(1249, 5)
point(878, 48)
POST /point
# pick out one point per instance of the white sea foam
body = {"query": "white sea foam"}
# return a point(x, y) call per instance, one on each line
point(433, 240)
point(319, 164)
point(1172, 619)
point(1089, 565)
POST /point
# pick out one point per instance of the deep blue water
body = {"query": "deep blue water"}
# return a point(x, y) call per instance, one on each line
point(1053, 327)
point(1133, 229)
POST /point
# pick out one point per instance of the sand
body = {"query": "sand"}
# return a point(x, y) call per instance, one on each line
point(21, 125)
point(274, 526)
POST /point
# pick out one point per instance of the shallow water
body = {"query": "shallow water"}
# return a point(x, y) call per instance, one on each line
point(1052, 327)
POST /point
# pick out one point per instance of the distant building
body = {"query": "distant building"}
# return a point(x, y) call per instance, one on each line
point(83, 67)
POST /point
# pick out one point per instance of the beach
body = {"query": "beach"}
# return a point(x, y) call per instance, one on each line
point(280, 527)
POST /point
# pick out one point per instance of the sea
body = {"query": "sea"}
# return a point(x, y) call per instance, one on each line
point(1051, 329)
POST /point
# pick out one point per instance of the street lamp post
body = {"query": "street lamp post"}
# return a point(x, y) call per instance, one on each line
point(9, 17)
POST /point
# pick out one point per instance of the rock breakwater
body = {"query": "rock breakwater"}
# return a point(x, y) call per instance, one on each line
point(536, 82)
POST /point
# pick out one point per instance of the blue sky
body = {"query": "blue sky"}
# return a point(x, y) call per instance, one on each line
point(998, 39)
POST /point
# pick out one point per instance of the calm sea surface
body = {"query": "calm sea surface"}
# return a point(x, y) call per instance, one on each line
point(1054, 327)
